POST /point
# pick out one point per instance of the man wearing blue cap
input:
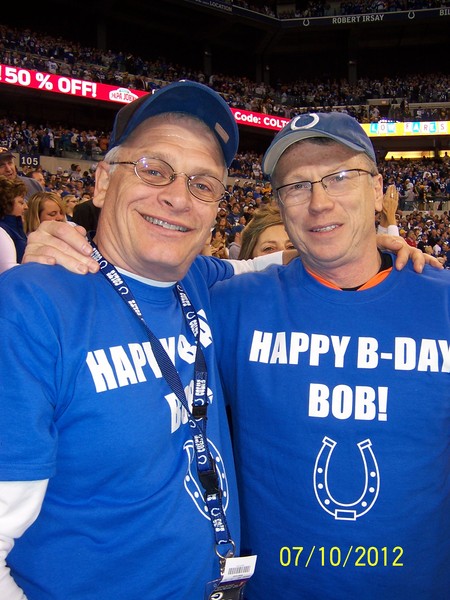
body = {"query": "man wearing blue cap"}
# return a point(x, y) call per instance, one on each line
point(117, 479)
point(339, 394)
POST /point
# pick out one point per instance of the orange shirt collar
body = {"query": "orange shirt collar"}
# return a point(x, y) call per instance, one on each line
point(373, 281)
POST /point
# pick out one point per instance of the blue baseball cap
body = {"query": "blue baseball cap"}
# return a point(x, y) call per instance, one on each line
point(187, 97)
point(340, 127)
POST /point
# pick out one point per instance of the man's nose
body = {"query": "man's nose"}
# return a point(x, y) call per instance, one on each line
point(320, 199)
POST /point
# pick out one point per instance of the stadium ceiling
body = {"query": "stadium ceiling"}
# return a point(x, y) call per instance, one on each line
point(242, 42)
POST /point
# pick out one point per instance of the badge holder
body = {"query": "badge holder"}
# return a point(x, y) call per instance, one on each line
point(235, 571)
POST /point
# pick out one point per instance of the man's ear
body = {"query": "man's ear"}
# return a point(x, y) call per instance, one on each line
point(101, 183)
point(378, 191)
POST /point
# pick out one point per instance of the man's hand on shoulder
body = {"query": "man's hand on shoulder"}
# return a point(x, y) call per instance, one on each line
point(58, 243)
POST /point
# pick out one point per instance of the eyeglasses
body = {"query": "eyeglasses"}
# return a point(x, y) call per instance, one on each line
point(156, 172)
point(335, 184)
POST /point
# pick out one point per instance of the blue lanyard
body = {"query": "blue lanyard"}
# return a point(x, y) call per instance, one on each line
point(206, 465)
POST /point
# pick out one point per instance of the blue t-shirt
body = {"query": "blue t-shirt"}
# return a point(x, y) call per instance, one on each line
point(84, 404)
point(340, 405)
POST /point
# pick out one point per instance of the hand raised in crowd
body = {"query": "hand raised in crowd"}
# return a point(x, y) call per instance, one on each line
point(390, 205)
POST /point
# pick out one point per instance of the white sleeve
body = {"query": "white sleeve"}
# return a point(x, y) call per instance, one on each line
point(390, 230)
point(393, 230)
point(260, 263)
point(20, 504)
point(8, 254)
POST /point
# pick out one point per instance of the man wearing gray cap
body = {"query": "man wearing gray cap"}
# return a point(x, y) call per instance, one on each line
point(339, 393)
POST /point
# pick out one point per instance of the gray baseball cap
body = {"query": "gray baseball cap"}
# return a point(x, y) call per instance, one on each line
point(337, 126)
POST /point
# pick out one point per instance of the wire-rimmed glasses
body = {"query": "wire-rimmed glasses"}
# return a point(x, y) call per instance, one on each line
point(335, 184)
point(157, 172)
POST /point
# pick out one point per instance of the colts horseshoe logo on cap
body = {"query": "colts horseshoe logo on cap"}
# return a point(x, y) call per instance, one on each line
point(312, 123)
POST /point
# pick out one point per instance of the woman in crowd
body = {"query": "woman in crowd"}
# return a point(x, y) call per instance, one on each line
point(411, 239)
point(44, 206)
point(264, 233)
point(218, 244)
point(13, 239)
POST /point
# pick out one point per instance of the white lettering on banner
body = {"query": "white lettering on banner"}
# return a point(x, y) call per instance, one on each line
point(16, 76)
point(357, 19)
point(345, 20)
point(368, 18)
point(363, 403)
point(67, 85)
point(122, 95)
point(275, 122)
point(247, 118)
point(48, 82)
point(444, 12)
point(406, 353)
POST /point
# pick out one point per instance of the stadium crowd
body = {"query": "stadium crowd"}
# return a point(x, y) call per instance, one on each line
point(29, 50)
point(429, 179)
point(422, 216)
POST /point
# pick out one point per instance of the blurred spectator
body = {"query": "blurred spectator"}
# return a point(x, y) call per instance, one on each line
point(39, 177)
point(43, 206)
point(264, 234)
point(86, 214)
point(13, 239)
point(218, 245)
point(411, 239)
point(9, 170)
point(235, 241)
point(70, 201)
point(408, 197)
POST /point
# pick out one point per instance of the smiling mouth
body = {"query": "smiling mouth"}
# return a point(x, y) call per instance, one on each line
point(327, 228)
point(165, 224)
